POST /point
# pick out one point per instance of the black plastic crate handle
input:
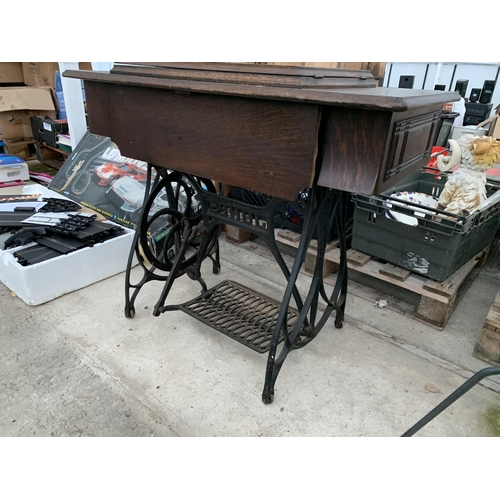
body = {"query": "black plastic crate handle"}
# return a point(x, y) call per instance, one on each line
point(448, 223)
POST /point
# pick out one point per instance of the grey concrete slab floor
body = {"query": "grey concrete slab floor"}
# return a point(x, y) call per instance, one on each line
point(76, 366)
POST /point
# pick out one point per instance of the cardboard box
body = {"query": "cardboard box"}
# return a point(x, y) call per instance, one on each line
point(11, 72)
point(495, 127)
point(17, 104)
point(43, 74)
point(40, 74)
point(45, 281)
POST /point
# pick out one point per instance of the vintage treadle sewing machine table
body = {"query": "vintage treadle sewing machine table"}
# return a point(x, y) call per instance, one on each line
point(274, 130)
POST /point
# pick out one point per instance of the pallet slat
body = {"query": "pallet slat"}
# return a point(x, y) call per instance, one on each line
point(358, 258)
point(487, 347)
point(395, 272)
point(289, 236)
point(413, 283)
point(292, 238)
point(237, 235)
point(496, 303)
point(493, 320)
point(448, 287)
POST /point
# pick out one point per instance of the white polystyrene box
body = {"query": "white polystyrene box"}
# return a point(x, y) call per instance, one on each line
point(52, 278)
point(8, 174)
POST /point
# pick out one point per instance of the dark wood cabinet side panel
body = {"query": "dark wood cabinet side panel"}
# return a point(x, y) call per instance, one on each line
point(97, 109)
point(266, 146)
point(354, 148)
point(411, 143)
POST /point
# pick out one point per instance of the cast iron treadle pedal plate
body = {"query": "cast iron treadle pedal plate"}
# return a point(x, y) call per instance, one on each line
point(240, 313)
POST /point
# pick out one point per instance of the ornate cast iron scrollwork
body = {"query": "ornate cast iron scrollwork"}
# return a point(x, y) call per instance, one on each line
point(179, 228)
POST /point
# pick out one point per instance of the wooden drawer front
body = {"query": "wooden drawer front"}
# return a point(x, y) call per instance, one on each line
point(411, 143)
point(266, 146)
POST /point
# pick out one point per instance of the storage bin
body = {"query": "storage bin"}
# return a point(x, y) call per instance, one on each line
point(444, 128)
point(285, 215)
point(439, 244)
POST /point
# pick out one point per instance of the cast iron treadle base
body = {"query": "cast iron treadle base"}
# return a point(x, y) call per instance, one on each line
point(240, 313)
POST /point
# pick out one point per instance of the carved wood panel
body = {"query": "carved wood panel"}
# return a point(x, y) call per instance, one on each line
point(411, 142)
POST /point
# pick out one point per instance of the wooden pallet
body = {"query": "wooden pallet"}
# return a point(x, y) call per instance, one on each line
point(50, 156)
point(437, 299)
point(237, 235)
point(24, 148)
point(292, 238)
point(487, 347)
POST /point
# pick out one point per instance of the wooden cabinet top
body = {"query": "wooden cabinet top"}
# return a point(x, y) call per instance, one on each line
point(336, 87)
point(273, 129)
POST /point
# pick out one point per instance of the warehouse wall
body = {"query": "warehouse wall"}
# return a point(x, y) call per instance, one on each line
point(428, 74)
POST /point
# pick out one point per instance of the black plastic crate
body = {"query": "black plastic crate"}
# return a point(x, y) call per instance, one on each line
point(438, 245)
point(444, 128)
point(285, 216)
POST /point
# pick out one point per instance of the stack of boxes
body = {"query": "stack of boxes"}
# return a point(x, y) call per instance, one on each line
point(31, 106)
point(28, 118)
point(25, 90)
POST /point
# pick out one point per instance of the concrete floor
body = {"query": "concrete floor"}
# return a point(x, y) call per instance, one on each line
point(76, 366)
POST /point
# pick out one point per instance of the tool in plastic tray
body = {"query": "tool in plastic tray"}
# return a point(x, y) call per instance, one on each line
point(57, 243)
point(34, 254)
point(73, 225)
point(98, 230)
point(67, 223)
point(61, 243)
point(13, 219)
point(24, 237)
point(59, 205)
point(55, 205)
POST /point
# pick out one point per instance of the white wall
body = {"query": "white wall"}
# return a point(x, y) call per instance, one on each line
point(102, 66)
point(73, 99)
point(427, 74)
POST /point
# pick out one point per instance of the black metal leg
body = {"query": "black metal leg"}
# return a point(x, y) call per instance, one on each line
point(157, 264)
point(215, 258)
point(134, 249)
point(306, 328)
point(341, 294)
point(187, 238)
point(231, 308)
point(469, 384)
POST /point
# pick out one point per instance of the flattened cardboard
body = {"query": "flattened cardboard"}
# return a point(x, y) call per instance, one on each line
point(21, 98)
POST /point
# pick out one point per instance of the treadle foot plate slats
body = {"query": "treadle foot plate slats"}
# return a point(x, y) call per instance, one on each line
point(240, 313)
